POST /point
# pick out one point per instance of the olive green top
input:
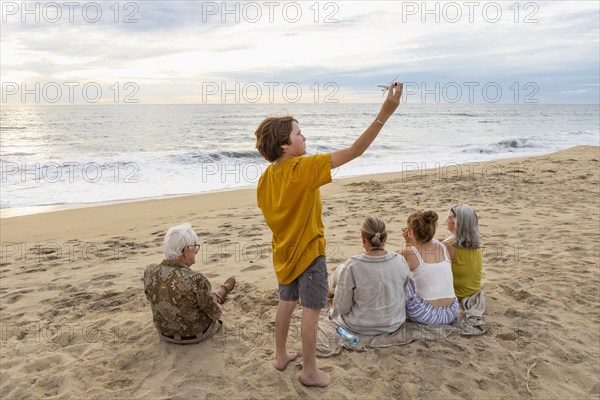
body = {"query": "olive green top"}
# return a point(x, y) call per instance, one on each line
point(466, 271)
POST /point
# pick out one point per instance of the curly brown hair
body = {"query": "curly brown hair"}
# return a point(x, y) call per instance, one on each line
point(273, 133)
point(423, 224)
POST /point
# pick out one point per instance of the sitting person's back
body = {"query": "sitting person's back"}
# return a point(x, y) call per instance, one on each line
point(184, 308)
point(430, 298)
point(466, 268)
point(181, 305)
point(432, 277)
point(369, 293)
point(464, 249)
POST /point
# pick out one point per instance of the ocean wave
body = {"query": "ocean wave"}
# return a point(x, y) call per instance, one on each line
point(73, 145)
point(242, 154)
point(18, 154)
point(463, 115)
point(517, 143)
point(584, 132)
point(322, 148)
point(203, 156)
point(506, 145)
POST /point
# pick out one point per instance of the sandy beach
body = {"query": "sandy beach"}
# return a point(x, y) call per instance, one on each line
point(75, 322)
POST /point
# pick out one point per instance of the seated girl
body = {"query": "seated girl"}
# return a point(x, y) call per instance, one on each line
point(464, 250)
point(369, 288)
point(430, 295)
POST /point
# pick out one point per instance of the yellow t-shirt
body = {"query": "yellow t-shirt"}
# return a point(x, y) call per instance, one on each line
point(466, 271)
point(289, 197)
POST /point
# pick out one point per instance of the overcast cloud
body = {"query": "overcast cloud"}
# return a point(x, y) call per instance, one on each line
point(204, 52)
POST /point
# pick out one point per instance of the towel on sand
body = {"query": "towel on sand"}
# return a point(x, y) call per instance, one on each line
point(469, 323)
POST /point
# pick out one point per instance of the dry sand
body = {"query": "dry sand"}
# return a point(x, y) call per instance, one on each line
point(76, 324)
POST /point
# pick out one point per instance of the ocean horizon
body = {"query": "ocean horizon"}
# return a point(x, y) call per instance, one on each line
point(76, 155)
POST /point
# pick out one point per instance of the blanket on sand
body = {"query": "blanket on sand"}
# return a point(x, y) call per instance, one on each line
point(469, 323)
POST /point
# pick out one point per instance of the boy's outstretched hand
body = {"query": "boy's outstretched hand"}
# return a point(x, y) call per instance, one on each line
point(392, 100)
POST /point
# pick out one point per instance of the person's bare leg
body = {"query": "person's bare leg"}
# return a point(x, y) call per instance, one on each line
point(282, 327)
point(311, 375)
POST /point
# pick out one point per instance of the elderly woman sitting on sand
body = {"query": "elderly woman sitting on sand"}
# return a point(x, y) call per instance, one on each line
point(430, 298)
point(184, 307)
point(368, 290)
point(464, 250)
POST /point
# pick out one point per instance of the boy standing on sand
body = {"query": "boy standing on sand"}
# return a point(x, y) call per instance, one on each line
point(289, 197)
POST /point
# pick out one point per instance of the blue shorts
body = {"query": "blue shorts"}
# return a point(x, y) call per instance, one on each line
point(311, 286)
point(419, 310)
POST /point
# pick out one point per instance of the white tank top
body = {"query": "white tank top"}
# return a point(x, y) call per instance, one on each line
point(433, 281)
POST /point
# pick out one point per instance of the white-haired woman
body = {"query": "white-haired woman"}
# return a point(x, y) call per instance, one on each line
point(184, 307)
point(465, 250)
point(368, 290)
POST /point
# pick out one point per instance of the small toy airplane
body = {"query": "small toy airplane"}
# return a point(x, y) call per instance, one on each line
point(387, 87)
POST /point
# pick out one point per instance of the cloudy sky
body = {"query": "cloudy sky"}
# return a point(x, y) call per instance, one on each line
point(275, 51)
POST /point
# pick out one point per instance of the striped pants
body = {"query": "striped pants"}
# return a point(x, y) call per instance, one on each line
point(421, 311)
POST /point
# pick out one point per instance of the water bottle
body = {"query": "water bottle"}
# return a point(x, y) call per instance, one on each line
point(349, 336)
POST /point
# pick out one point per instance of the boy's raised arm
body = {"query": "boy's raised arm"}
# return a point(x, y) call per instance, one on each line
point(392, 100)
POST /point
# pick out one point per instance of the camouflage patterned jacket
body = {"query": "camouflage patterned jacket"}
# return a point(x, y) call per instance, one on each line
point(181, 299)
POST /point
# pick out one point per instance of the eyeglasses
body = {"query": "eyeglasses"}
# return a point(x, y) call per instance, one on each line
point(454, 212)
point(195, 246)
point(453, 208)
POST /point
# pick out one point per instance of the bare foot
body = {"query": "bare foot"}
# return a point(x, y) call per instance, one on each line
point(319, 378)
point(280, 364)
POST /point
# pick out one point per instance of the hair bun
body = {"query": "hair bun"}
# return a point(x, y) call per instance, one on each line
point(430, 216)
point(373, 230)
point(423, 223)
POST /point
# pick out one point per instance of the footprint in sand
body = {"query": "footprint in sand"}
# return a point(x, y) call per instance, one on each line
point(13, 298)
point(213, 259)
point(217, 241)
point(512, 313)
point(250, 232)
point(118, 383)
point(253, 268)
point(105, 277)
point(111, 300)
point(31, 270)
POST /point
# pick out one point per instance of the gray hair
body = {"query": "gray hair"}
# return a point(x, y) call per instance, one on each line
point(466, 233)
point(177, 238)
point(373, 229)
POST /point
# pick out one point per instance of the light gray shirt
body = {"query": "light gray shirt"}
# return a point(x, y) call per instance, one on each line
point(369, 293)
